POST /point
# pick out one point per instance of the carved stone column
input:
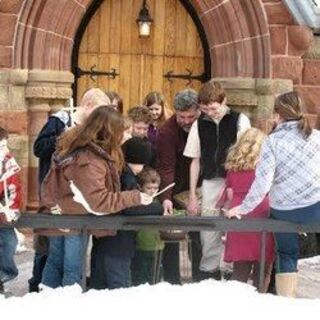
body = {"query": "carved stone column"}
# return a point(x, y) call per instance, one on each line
point(255, 97)
point(46, 91)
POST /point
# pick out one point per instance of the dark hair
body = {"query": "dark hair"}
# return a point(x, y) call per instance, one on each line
point(211, 91)
point(3, 133)
point(112, 95)
point(290, 108)
point(148, 175)
point(104, 127)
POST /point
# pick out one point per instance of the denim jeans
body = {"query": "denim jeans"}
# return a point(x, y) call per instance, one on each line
point(8, 244)
point(287, 243)
point(109, 272)
point(63, 266)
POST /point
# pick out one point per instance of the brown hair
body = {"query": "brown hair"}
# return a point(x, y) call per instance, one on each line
point(112, 95)
point(3, 134)
point(289, 106)
point(104, 127)
point(140, 114)
point(156, 97)
point(148, 175)
point(210, 92)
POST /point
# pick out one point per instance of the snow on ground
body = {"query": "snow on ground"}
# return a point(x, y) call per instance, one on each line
point(163, 301)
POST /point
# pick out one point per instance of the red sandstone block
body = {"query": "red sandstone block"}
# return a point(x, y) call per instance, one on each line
point(278, 35)
point(311, 72)
point(7, 27)
point(300, 38)
point(310, 96)
point(10, 6)
point(277, 13)
point(14, 122)
point(5, 57)
point(287, 68)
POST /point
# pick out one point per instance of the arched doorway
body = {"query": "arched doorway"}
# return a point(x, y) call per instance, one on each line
point(108, 40)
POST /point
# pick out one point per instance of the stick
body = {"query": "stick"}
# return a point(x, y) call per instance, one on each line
point(164, 189)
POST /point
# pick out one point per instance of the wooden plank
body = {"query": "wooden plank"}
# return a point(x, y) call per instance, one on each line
point(114, 62)
point(104, 65)
point(125, 26)
point(180, 30)
point(147, 76)
point(93, 34)
point(170, 27)
point(124, 81)
point(92, 60)
point(167, 87)
point(135, 80)
point(159, 27)
point(82, 83)
point(84, 43)
point(115, 26)
point(105, 38)
point(157, 73)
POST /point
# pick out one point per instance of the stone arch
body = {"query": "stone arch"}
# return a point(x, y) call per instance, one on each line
point(237, 33)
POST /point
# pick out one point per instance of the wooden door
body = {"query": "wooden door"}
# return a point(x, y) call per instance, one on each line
point(111, 40)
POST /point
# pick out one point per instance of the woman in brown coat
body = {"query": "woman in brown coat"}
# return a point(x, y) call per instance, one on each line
point(87, 163)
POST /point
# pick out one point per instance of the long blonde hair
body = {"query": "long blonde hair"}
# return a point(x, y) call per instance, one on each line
point(104, 127)
point(244, 155)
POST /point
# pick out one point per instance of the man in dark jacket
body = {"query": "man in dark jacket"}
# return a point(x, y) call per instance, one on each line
point(43, 148)
point(111, 256)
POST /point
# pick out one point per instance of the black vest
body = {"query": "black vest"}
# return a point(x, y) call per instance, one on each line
point(215, 140)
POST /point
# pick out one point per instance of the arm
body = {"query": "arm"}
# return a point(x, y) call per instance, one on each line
point(153, 209)
point(166, 162)
point(243, 124)
point(193, 150)
point(263, 181)
point(92, 184)
point(45, 143)
point(194, 176)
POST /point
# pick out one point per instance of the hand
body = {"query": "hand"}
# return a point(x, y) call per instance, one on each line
point(193, 206)
point(10, 215)
point(145, 199)
point(168, 207)
point(234, 212)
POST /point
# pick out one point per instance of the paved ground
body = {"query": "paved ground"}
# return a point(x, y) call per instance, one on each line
point(309, 275)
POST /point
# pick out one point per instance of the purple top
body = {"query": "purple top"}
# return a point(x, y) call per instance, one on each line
point(153, 135)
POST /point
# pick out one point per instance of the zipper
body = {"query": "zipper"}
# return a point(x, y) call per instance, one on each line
point(217, 149)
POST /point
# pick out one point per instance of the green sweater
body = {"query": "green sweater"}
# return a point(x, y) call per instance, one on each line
point(149, 240)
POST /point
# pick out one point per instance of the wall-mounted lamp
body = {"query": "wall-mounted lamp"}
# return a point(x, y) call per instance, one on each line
point(144, 21)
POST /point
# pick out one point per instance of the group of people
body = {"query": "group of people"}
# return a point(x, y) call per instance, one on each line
point(108, 163)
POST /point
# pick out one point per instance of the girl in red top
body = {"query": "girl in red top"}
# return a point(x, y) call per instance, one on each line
point(243, 248)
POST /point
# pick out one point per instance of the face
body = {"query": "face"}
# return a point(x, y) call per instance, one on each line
point(150, 188)
point(136, 168)
point(185, 119)
point(213, 110)
point(140, 129)
point(156, 111)
point(127, 134)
